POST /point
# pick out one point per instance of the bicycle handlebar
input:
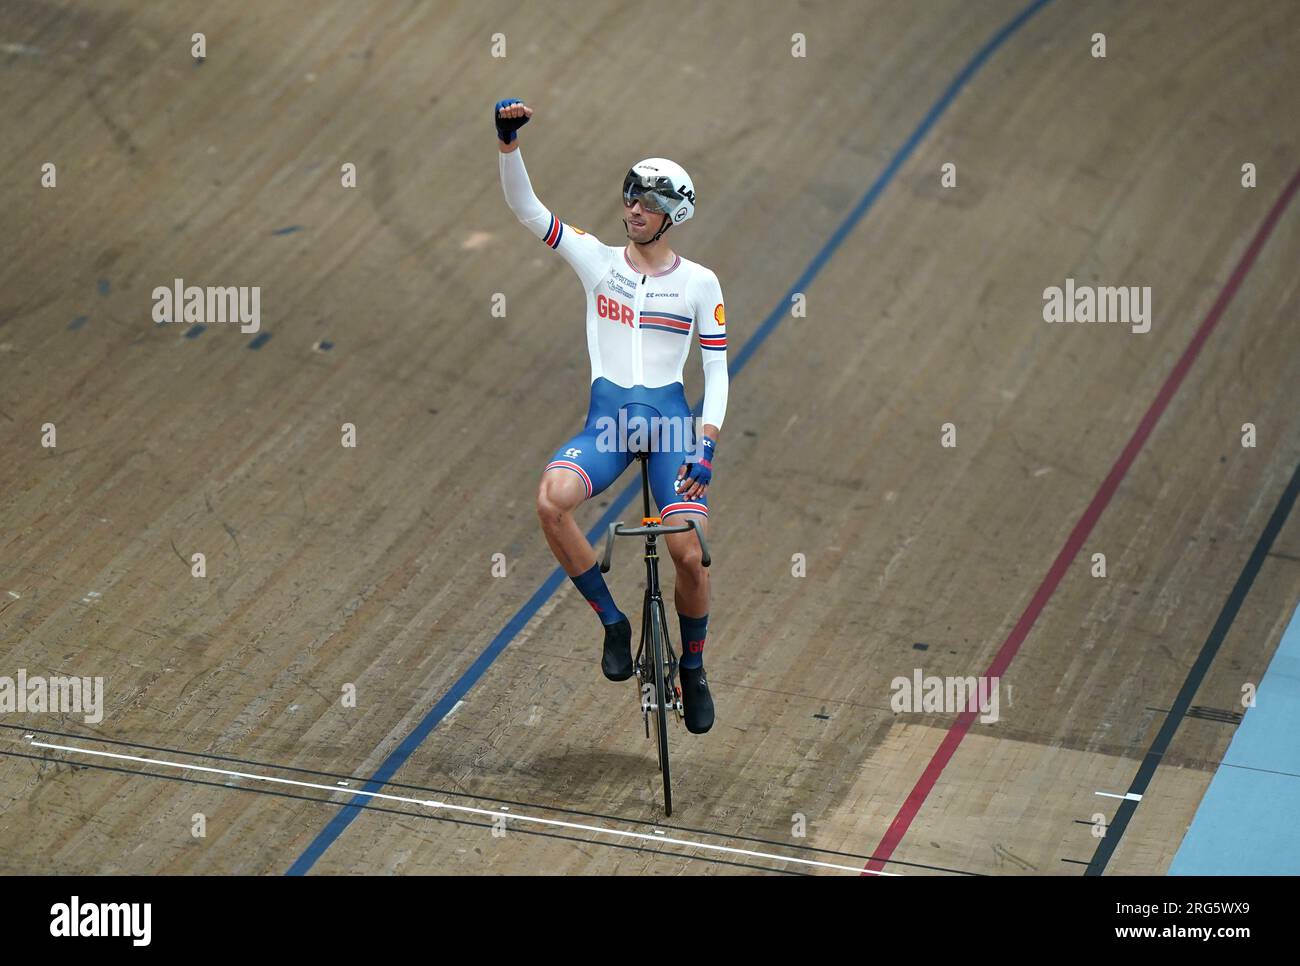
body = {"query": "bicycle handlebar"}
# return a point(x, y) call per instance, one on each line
point(618, 530)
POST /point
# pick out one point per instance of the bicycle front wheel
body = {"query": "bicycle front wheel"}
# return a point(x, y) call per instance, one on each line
point(658, 643)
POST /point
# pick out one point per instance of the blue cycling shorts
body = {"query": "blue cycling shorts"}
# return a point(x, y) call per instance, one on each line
point(624, 422)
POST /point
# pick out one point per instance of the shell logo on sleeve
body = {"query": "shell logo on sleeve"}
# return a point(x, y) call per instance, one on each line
point(719, 315)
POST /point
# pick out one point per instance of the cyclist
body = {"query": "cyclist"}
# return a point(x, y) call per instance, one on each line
point(644, 303)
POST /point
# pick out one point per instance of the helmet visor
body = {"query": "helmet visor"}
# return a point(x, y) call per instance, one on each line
point(655, 192)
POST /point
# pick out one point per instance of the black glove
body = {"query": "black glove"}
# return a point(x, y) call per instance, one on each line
point(507, 126)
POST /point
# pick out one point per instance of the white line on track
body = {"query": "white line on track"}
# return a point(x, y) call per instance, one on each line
point(495, 814)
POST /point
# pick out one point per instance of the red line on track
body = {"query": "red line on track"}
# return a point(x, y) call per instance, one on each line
point(948, 747)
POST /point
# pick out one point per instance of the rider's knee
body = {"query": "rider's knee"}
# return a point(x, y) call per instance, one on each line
point(554, 499)
point(688, 558)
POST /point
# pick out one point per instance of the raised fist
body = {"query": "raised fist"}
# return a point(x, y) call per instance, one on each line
point(510, 115)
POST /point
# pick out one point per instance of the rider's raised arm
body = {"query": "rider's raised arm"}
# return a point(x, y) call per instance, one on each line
point(711, 321)
point(588, 256)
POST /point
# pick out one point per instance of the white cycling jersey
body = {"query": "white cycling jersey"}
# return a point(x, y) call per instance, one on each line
point(639, 327)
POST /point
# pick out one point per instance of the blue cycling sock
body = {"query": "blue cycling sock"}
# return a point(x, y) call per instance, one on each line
point(592, 586)
point(693, 632)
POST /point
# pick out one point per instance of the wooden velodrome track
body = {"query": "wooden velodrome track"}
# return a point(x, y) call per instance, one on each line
point(373, 566)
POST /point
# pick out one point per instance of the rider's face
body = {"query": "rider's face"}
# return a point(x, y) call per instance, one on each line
point(641, 224)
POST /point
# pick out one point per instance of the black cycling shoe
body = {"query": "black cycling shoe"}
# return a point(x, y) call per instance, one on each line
point(697, 702)
point(617, 660)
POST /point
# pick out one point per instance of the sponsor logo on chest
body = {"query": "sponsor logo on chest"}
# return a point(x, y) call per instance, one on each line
point(620, 311)
point(620, 284)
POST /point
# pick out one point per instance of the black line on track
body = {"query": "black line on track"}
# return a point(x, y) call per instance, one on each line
point(1195, 675)
point(479, 798)
point(393, 811)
